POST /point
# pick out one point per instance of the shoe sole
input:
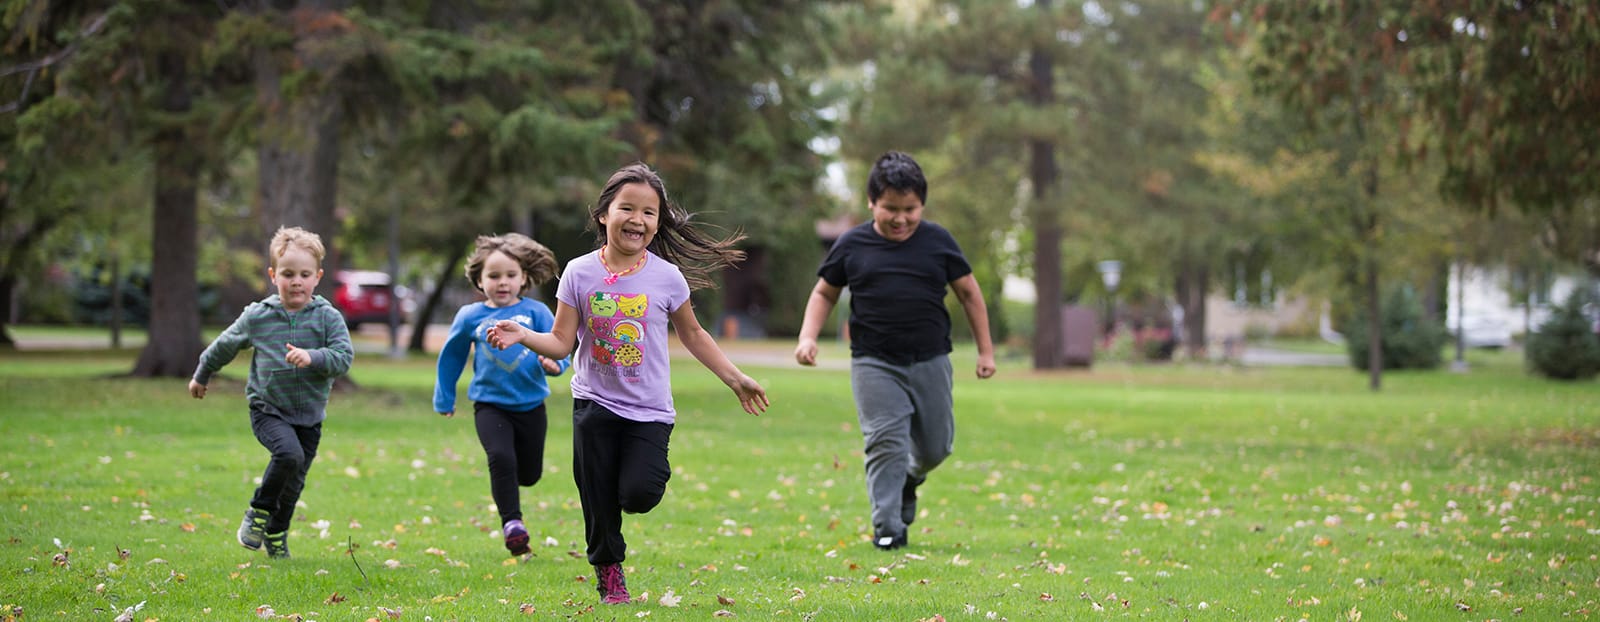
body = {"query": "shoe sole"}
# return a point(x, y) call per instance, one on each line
point(518, 545)
point(239, 535)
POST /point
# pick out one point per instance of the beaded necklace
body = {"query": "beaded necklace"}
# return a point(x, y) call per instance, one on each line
point(612, 277)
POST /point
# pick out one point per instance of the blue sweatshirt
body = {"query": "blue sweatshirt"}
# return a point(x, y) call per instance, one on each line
point(511, 378)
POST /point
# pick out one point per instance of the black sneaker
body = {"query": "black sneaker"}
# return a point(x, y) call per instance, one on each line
point(889, 541)
point(253, 530)
point(278, 545)
point(908, 499)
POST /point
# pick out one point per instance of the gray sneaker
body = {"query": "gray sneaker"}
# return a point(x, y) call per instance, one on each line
point(253, 530)
point(278, 545)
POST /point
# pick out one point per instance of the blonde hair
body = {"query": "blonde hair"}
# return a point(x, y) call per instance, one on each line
point(298, 238)
point(536, 261)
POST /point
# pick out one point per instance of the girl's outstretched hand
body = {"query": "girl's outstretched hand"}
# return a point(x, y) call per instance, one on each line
point(504, 333)
point(751, 396)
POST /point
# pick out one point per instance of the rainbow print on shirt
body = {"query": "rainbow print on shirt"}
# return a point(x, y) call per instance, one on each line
point(616, 322)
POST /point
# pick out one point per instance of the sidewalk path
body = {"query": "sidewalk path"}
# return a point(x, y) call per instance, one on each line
point(374, 339)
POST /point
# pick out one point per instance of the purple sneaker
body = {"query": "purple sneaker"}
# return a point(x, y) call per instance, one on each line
point(609, 582)
point(516, 537)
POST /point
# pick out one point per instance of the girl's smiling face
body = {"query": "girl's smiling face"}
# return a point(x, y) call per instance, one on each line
point(502, 280)
point(632, 219)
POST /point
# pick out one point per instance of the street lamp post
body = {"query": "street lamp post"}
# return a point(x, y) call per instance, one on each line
point(1111, 275)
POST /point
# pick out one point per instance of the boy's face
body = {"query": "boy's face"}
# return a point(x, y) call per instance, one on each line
point(502, 280)
point(896, 214)
point(296, 277)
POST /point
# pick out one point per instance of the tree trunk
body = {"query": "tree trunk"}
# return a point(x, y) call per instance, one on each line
point(419, 333)
point(298, 158)
point(1374, 322)
point(1190, 288)
point(8, 286)
point(116, 300)
point(1049, 350)
point(173, 348)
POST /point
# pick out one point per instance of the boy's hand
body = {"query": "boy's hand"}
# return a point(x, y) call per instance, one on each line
point(504, 333)
point(551, 366)
point(448, 415)
point(197, 390)
point(751, 396)
point(806, 352)
point(298, 357)
point(985, 366)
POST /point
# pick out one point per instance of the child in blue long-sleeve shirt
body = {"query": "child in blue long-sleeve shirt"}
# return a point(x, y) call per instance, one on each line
point(508, 386)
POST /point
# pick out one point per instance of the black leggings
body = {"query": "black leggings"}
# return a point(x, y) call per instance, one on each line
point(620, 465)
point(514, 443)
point(293, 448)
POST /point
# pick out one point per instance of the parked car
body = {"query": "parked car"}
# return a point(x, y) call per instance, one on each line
point(1483, 331)
point(366, 295)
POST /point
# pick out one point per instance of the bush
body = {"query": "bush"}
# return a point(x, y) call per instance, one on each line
point(1566, 346)
point(1410, 340)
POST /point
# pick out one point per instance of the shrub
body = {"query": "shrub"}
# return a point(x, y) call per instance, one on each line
point(1410, 340)
point(1566, 346)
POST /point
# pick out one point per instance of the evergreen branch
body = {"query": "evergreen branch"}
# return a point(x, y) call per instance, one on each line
point(60, 55)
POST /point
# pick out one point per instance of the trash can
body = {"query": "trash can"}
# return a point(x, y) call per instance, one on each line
point(1079, 328)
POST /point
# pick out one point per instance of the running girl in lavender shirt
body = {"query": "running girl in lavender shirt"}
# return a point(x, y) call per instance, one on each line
point(615, 304)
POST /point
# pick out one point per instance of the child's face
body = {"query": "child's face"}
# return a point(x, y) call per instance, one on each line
point(896, 214)
point(502, 280)
point(296, 277)
point(632, 219)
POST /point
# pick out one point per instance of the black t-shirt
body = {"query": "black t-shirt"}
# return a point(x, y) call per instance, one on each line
point(897, 290)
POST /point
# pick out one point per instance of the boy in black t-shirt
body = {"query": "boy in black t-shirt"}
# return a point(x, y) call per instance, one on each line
point(897, 268)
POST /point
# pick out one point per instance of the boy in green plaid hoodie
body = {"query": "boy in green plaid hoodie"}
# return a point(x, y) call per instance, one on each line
point(301, 344)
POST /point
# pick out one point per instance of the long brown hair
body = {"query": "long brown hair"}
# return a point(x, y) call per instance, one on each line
point(538, 264)
point(678, 239)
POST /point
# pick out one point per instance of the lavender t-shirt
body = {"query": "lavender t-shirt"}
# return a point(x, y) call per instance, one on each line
point(621, 356)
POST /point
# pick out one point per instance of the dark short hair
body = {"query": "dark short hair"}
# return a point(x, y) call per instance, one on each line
point(896, 170)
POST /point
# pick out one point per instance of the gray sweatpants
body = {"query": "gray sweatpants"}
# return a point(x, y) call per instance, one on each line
point(907, 426)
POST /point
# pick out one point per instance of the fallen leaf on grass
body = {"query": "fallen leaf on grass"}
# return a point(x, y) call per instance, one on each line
point(670, 599)
point(334, 599)
point(724, 601)
point(127, 614)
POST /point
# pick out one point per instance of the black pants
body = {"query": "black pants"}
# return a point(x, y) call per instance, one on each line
point(514, 443)
point(293, 448)
point(620, 465)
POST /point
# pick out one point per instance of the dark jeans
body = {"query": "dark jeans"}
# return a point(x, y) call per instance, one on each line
point(514, 443)
point(293, 448)
point(620, 465)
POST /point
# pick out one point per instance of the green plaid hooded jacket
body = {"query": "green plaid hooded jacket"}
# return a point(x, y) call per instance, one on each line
point(298, 395)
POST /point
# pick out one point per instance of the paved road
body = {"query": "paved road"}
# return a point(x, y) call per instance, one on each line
point(374, 339)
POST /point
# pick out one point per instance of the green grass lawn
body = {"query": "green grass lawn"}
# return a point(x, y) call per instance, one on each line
point(1169, 492)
